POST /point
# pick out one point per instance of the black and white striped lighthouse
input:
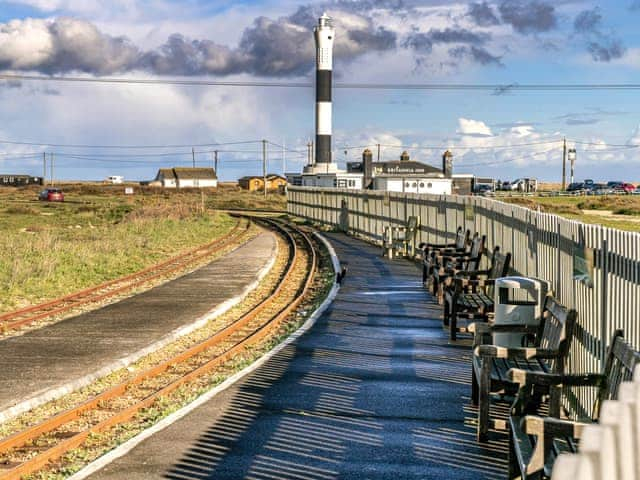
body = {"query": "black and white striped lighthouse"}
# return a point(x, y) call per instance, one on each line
point(324, 35)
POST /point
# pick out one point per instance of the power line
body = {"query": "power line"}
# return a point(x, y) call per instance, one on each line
point(500, 88)
point(133, 147)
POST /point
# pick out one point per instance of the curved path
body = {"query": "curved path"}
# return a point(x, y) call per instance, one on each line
point(372, 391)
point(50, 361)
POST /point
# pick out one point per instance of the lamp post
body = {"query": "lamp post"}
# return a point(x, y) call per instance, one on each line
point(572, 160)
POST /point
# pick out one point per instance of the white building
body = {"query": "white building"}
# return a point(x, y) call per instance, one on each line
point(413, 184)
point(184, 177)
point(333, 180)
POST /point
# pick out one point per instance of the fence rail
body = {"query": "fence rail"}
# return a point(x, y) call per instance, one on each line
point(592, 268)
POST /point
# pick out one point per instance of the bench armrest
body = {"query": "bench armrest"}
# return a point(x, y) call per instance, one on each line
point(483, 327)
point(462, 283)
point(435, 246)
point(523, 353)
point(523, 378)
point(552, 427)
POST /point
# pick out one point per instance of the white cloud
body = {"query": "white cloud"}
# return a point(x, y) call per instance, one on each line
point(473, 127)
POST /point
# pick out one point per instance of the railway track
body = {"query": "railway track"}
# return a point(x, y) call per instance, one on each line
point(32, 449)
point(60, 306)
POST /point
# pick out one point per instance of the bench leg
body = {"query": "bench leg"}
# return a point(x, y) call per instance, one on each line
point(483, 400)
point(453, 321)
point(514, 466)
point(475, 388)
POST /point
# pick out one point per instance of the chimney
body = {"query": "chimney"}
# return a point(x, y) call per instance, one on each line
point(367, 168)
point(404, 157)
point(447, 164)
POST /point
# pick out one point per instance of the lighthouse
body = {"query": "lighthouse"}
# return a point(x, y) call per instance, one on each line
point(324, 35)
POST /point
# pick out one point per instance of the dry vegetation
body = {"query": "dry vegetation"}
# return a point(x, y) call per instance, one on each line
point(98, 233)
point(617, 211)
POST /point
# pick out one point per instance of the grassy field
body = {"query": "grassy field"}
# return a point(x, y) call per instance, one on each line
point(617, 211)
point(98, 233)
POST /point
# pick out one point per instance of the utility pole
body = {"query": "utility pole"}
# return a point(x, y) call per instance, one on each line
point(51, 162)
point(284, 157)
point(193, 156)
point(564, 164)
point(264, 165)
point(44, 168)
point(378, 152)
point(215, 161)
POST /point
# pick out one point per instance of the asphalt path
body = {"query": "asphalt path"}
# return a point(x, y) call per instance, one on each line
point(373, 391)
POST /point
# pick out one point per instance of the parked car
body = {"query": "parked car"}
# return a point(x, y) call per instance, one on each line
point(51, 195)
point(576, 187)
point(599, 189)
point(624, 187)
point(483, 189)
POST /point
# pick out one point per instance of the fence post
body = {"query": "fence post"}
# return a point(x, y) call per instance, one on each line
point(604, 302)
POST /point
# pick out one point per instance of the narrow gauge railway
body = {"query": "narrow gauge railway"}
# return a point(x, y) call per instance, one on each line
point(32, 449)
point(60, 306)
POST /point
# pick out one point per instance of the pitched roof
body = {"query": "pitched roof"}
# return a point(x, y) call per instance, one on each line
point(166, 173)
point(189, 173)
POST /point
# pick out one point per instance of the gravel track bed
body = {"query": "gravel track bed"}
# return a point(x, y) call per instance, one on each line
point(99, 444)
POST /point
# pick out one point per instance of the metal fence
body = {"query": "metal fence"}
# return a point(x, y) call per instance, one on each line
point(592, 268)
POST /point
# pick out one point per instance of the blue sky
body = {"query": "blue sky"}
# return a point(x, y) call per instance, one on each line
point(504, 134)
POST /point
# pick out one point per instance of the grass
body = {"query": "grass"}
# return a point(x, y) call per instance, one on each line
point(98, 233)
point(625, 209)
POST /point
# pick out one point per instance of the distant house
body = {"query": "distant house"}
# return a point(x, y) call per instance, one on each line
point(256, 182)
point(11, 180)
point(186, 177)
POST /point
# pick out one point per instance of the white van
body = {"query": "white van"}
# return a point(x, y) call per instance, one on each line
point(115, 179)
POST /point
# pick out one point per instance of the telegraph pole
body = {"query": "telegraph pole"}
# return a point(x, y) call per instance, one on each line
point(264, 165)
point(51, 162)
point(215, 161)
point(193, 156)
point(378, 152)
point(284, 157)
point(564, 164)
point(44, 168)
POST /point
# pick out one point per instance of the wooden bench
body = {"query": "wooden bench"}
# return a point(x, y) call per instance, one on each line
point(401, 240)
point(471, 294)
point(536, 441)
point(550, 344)
point(429, 249)
point(447, 265)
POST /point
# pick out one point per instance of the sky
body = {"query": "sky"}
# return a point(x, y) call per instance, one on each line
point(505, 133)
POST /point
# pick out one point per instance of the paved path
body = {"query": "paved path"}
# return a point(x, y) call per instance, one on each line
point(372, 391)
point(53, 356)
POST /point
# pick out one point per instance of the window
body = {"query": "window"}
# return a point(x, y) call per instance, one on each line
point(407, 184)
point(335, 182)
point(415, 184)
point(342, 183)
point(421, 184)
point(429, 185)
point(352, 183)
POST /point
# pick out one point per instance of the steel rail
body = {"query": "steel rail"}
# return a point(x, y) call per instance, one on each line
point(135, 279)
point(20, 439)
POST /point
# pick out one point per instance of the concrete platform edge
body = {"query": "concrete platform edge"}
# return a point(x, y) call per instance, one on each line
point(58, 392)
point(174, 417)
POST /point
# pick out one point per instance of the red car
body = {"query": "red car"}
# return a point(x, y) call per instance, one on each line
point(624, 187)
point(51, 195)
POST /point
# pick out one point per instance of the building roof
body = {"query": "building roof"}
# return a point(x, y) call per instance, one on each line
point(200, 173)
point(166, 173)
